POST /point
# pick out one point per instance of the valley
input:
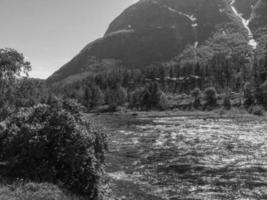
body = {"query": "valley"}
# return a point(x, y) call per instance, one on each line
point(169, 103)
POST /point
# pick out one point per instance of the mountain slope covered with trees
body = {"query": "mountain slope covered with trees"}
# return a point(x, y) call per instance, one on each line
point(155, 31)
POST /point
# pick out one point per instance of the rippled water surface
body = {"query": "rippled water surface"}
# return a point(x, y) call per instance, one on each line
point(187, 158)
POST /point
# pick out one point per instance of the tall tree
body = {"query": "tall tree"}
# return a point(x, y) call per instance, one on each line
point(12, 67)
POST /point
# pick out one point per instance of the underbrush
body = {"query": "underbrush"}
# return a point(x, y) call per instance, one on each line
point(53, 143)
point(35, 191)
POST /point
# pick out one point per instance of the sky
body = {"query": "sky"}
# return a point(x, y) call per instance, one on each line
point(51, 32)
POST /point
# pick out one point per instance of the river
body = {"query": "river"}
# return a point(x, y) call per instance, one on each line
point(179, 158)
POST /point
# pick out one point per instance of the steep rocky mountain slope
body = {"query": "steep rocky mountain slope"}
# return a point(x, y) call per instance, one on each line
point(157, 30)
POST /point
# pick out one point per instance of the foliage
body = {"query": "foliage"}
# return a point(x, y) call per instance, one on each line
point(116, 96)
point(149, 97)
point(263, 88)
point(93, 96)
point(35, 191)
point(210, 95)
point(12, 66)
point(224, 61)
point(248, 95)
point(196, 94)
point(227, 102)
point(29, 92)
point(163, 103)
point(136, 98)
point(256, 110)
point(58, 143)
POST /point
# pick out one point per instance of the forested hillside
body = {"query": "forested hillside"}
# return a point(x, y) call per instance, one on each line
point(155, 31)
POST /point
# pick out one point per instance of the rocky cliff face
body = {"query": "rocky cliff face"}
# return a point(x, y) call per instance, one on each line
point(156, 30)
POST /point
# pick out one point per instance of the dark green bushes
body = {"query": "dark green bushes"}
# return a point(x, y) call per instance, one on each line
point(116, 96)
point(149, 97)
point(263, 88)
point(93, 97)
point(196, 94)
point(248, 95)
point(54, 143)
point(227, 103)
point(210, 96)
point(35, 191)
point(256, 110)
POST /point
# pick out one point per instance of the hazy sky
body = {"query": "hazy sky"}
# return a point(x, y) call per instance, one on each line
point(51, 32)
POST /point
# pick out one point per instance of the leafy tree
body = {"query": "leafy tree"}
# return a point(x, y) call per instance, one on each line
point(58, 143)
point(136, 98)
point(149, 97)
point(116, 96)
point(12, 67)
point(264, 94)
point(196, 94)
point(227, 102)
point(93, 96)
point(210, 95)
point(248, 95)
point(29, 92)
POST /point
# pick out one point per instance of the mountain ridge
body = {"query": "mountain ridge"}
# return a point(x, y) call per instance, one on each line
point(153, 31)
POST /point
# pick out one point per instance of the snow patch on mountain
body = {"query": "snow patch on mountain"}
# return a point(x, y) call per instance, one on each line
point(190, 17)
point(252, 42)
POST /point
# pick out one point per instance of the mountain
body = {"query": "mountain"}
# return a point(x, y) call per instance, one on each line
point(153, 31)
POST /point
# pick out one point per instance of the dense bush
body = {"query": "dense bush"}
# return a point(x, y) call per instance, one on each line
point(93, 97)
point(248, 95)
point(54, 143)
point(163, 102)
point(136, 98)
point(210, 96)
point(116, 96)
point(35, 191)
point(256, 110)
point(263, 88)
point(196, 94)
point(12, 66)
point(227, 102)
point(149, 97)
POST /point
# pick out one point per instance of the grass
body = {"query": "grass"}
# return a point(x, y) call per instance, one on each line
point(34, 191)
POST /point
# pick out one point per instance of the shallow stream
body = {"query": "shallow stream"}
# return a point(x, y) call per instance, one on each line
point(181, 158)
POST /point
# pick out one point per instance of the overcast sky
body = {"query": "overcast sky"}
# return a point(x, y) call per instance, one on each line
point(51, 32)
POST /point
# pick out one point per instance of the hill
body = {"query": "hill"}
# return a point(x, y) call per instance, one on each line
point(152, 31)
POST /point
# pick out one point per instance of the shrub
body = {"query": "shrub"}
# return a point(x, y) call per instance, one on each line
point(196, 94)
point(163, 101)
point(256, 110)
point(93, 97)
point(135, 98)
point(12, 68)
point(149, 97)
point(54, 143)
point(259, 96)
point(263, 88)
point(116, 96)
point(248, 95)
point(210, 96)
point(227, 103)
point(34, 191)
